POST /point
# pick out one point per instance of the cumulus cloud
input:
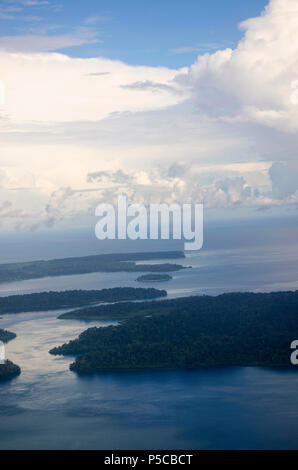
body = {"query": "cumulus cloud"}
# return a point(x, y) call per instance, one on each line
point(76, 132)
point(252, 83)
point(231, 186)
point(284, 180)
point(184, 183)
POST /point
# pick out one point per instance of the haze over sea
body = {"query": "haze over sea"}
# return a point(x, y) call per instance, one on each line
point(48, 406)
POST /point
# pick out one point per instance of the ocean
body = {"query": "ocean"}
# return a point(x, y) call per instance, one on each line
point(50, 407)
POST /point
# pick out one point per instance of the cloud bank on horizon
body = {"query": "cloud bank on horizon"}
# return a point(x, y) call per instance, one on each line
point(78, 131)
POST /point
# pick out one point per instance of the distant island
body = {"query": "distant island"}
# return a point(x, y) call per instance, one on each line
point(89, 264)
point(8, 370)
point(154, 278)
point(240, 329)
point(74, 298)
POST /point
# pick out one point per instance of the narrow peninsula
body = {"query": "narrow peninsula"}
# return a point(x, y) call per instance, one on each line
point(127, 262)
point(74, 298)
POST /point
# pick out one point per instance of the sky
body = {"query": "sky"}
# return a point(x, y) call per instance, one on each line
point(167, 101)
point(170, 33)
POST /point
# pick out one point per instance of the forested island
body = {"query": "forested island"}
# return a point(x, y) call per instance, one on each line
point(154, 278)
point(74, 298)
point(8, 370)
point(89, 264)
point(240, 329)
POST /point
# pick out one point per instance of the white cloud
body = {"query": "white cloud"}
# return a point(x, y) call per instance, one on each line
point(75, 132)
point(252, 83)
point(43, 43)
point(55, 87)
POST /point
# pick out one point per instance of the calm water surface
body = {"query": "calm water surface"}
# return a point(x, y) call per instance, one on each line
point(50, 407)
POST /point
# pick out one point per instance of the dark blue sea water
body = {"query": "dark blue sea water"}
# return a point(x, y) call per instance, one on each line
point(49, 407)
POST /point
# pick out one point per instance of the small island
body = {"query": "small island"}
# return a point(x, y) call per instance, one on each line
point(154, 278)
point(9, 370)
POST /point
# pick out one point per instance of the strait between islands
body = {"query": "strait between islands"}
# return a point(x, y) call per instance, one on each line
point(237, 329)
